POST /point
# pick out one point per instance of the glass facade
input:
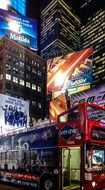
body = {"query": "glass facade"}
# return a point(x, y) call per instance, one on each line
point(93, 34)
point(59, 27)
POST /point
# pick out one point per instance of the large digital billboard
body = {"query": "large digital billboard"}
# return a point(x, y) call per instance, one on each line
point(19, 28)
point(72, 71)
point(14, 114)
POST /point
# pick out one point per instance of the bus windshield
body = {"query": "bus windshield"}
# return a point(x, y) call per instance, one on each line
point(95, 158)
point(96, 114)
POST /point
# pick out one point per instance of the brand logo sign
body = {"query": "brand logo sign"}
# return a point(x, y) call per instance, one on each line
point(67, 132)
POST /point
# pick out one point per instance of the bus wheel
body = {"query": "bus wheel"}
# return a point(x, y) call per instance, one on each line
point(47, 181)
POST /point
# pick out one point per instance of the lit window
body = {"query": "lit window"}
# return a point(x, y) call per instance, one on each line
point(28, 84)
point(15, 79)
point(15, 70)
point(21, 82)
point(8, 77)
point(39, 89)
point(8, 67)
point(21, 64)
point(33, 87)
point(1, 76)
point(39, 105)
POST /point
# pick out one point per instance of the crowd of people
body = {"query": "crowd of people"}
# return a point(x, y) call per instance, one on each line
point(14, 116)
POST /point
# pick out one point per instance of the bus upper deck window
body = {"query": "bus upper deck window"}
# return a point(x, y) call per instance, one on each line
point(74, 115)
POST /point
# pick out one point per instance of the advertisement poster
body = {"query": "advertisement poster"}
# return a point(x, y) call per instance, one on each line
point(14, 114)
point(95, 95)
point(72, 71)
point(19, 28)
point(29, 154)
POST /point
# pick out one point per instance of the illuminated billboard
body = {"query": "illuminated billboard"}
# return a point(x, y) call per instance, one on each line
point(18, 28)
point(72, 71)
point(4, 4)
point(94, 95)
point(14, 114)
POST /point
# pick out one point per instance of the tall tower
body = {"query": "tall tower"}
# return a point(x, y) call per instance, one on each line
point(93, 35)
point(59, 28)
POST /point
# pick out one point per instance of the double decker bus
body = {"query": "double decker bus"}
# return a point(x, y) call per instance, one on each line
point(66, 156)
point(82, 144)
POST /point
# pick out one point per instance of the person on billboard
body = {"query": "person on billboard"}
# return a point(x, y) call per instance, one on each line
point(10, 115)
point(16, 116)
point(67, 97)
point(25, 118)
point(6, 113)
point(21, 116)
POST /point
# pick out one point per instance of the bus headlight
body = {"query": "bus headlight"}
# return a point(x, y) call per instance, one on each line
point(93, 183)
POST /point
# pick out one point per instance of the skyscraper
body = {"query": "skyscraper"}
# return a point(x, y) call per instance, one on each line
point(59, 28)
point(93, 35)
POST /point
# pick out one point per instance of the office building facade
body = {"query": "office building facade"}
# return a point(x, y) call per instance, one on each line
point(23, 75)
point(59, 28)
point(93, 35)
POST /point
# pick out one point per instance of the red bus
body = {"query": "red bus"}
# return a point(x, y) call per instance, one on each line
point(66, 156)
point(82, 144)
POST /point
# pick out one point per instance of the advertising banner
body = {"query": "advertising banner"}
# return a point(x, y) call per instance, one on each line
point(19, 28)
point(14, 114)
point(66, 76)
point(72, 71)
point(95, 95)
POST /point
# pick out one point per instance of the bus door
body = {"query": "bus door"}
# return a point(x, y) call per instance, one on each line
point(71, 158)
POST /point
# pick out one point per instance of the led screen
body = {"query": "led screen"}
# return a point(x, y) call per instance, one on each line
point(4, 4)
point(72, 71)
point(18, 28)
point(14, 113)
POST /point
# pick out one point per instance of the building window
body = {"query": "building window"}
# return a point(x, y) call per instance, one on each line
point(34, 70)
point(8, 67)
point(28, 67)
point(1, 76)
point(39, 73)
point(39, 89)
point(22, 64)
point(33, 103)
point(15, 70)
point(21, 82)
point(33, 87)
point(22, 74)
point(27, 76)
point(8, 77)
point(28, 84)
point(15, 79)
point(39, 105)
